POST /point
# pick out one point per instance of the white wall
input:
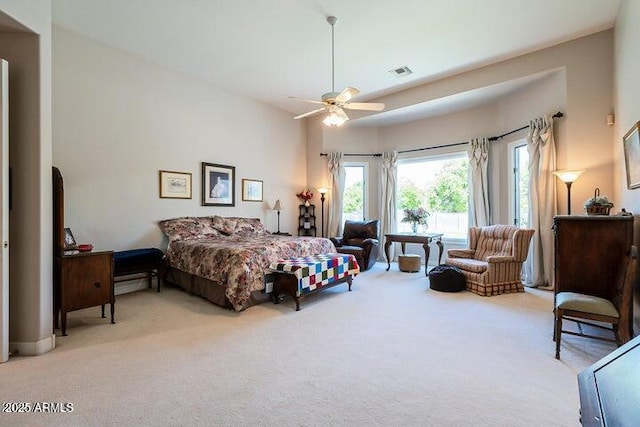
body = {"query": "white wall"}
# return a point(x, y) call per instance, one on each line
point(119, 119)
point(627, 109)
point(627, 89)
point(30, 222)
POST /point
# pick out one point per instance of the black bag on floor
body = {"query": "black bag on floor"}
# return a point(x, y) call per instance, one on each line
point(447, 278)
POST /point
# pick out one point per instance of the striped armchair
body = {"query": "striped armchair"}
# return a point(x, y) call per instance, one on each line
point(493, 263)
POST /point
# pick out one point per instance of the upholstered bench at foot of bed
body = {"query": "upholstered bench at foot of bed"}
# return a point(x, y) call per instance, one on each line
point(147, 261)
point(299, 277)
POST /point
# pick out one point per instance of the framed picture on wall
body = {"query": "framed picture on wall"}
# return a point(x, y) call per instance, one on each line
point(175, 185)
point(631, 142)
point(251, 190)
point(218, 185)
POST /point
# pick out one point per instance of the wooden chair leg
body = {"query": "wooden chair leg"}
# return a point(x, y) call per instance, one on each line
point(623, 334)
point(558, 331)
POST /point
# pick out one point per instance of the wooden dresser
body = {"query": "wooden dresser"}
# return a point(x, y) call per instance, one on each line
point(81, 280)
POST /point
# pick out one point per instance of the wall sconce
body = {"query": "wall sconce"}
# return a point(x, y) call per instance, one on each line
point(322, 191)
point(278, 207)
point(568, 177)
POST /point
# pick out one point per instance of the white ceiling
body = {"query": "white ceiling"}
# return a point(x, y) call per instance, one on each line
point(270, 49)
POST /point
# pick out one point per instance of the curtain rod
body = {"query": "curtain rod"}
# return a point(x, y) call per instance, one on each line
point(403, 151)
point(557, 115)
point(492, 138)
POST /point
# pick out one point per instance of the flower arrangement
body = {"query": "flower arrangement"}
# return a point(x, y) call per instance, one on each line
point(598, 205)
point(415, 217)
point(305, 195)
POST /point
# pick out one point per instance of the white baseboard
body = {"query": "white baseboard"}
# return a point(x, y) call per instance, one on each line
point(27, 348)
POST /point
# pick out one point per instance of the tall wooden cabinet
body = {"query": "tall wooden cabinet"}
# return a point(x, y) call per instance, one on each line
point(81, 280)
point(590, 251)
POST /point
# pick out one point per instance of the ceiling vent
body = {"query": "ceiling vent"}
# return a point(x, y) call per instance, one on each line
point(401, 71)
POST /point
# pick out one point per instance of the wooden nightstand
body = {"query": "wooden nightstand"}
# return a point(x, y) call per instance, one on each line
point(82, 280)
point(282, 233)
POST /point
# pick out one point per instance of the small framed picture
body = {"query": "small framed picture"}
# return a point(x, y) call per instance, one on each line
point(631, 142)
point(69, 240)
point(175, 185)
point(218, 185)
point(251, 190)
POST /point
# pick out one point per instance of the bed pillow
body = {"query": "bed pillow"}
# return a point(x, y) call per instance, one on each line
point(246, 226)
point(226, 226)
point(258, 227)
point(188, 228)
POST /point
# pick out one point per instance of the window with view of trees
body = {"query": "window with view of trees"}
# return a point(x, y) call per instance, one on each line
point(520, 185)
point(353, 205)
point(439, 185)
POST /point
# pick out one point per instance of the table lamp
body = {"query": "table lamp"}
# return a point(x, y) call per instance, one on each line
point(568, 177)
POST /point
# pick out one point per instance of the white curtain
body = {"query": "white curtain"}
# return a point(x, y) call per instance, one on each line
point(479, 197)
point(337, 175)
point(387, 214)
point(538, 268)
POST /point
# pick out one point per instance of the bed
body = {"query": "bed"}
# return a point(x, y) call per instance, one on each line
point(226, 259)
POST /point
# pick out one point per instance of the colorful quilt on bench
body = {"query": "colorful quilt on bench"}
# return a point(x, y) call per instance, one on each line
point(316, 271)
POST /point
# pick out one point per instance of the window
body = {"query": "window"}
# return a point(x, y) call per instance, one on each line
point(354, 196)
point(519, 188)
point(440, 185)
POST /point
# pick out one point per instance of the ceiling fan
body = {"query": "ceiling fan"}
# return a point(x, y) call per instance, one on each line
point(336, 102)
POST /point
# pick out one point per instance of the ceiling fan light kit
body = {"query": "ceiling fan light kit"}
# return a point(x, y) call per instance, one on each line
point(334, 118)
point(335, 102)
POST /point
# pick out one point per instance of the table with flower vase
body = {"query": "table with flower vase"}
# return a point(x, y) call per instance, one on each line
point(425, 239)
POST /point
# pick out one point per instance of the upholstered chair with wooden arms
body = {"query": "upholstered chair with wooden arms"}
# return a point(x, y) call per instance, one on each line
point(360, 239)
point(616, 309)
point(493, 262)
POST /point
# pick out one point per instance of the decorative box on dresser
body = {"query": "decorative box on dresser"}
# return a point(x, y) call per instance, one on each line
point(589, 252)
point(80, 279)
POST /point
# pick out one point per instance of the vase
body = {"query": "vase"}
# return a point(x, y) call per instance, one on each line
point(414, 227)
point(306, 203)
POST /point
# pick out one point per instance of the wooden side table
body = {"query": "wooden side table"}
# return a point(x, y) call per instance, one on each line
point(425, 239)
point(83, 280)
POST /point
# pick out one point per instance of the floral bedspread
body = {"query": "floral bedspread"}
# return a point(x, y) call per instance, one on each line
point(240, 261)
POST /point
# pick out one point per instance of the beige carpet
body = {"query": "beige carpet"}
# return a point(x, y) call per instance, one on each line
point(390, 353)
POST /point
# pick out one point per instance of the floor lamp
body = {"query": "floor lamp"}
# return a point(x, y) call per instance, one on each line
point(278, 207)
point(322, 192)
point(568, 177)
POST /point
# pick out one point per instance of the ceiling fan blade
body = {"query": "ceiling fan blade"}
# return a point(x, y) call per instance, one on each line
point(347, 94)
point(368, 106)
point(305, 100)
point(310, 113)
